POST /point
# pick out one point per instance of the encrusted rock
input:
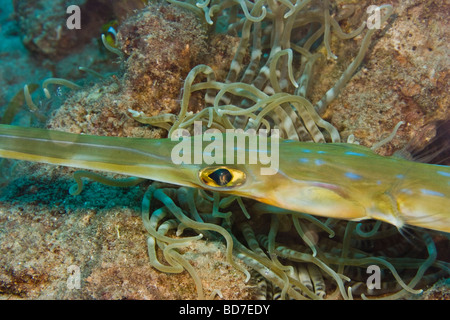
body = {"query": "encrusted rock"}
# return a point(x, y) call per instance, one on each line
point(161, 44)
point(405, 77)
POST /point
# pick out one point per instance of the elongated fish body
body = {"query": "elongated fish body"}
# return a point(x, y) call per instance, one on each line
point(352, 182)
point(145, 158)
point(331, 180)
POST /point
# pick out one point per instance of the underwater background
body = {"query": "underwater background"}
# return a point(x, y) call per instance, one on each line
point(45, 231)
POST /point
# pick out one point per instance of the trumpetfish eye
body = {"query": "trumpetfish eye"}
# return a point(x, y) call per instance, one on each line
point(222, 177)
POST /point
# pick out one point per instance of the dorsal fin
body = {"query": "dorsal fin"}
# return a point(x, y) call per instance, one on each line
point(430, 145)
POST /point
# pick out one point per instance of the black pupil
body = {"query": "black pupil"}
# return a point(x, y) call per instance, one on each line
point(221, 176)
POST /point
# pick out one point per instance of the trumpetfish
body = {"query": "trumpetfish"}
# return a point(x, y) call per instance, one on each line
point(335, 180)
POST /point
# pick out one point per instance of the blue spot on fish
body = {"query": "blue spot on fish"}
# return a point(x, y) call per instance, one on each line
point(407, 191)
point(306, 150)
point(443, 173)
point(319, 162)
point(352, 153)
point(431, 193)
point(400, 176)
point(303, 160)
point(353, 176)
point(321, 152)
